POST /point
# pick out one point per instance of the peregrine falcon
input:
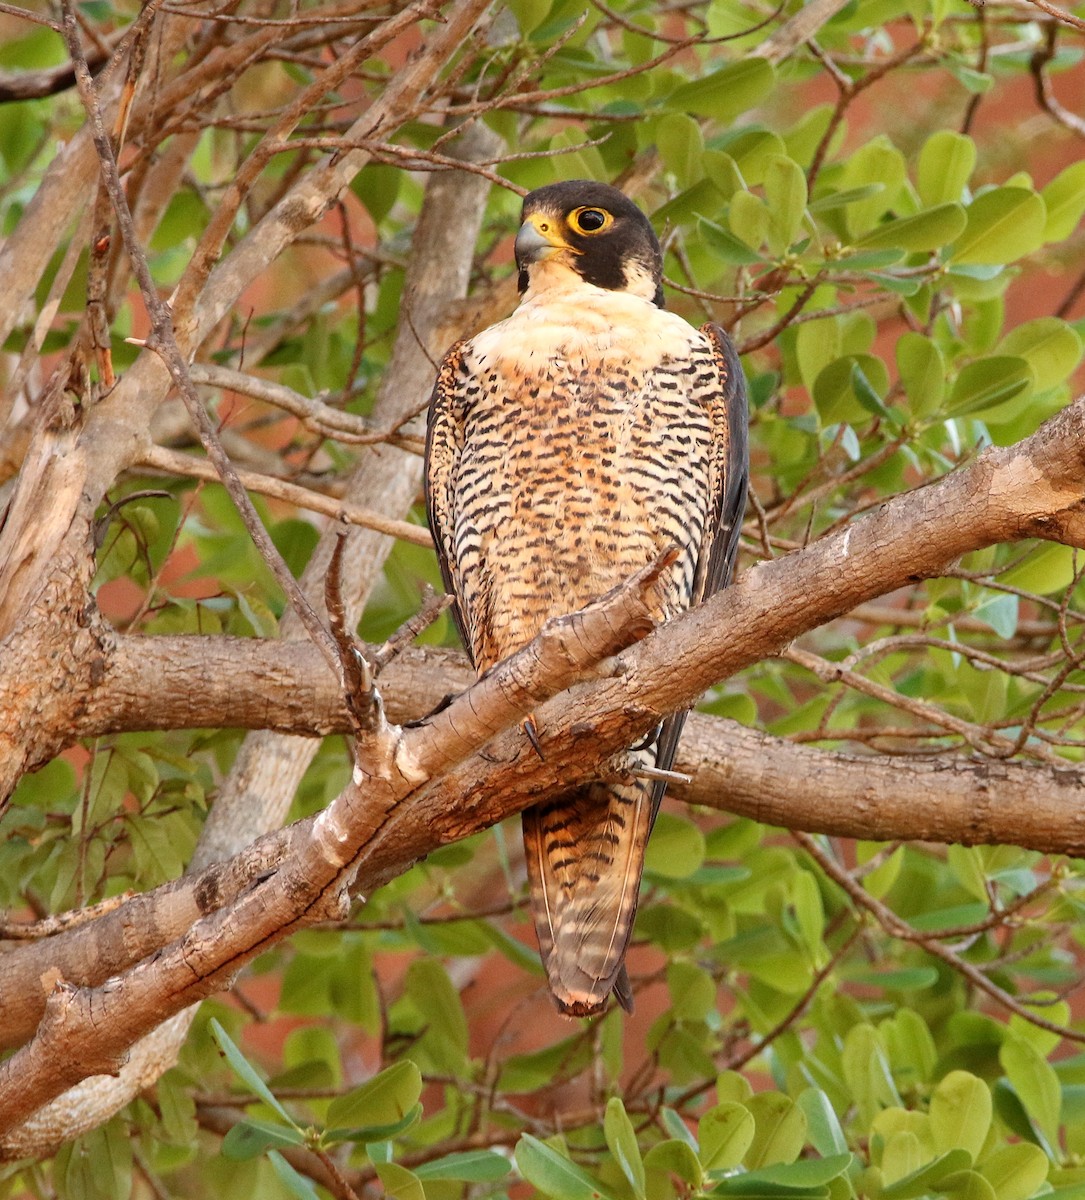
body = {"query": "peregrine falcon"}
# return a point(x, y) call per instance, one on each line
point(569, 446)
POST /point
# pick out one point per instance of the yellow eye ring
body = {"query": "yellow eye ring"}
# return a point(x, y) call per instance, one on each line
point(589, 220)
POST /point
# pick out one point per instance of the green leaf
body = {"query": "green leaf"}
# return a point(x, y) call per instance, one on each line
point(867, 394)
point(155, 851)
point(579, 161)
point(555, 1175)
point(725, 93)
point(902, 1155)
point(1064, 198)
point(96, 1166)
point(399, 1182)
point(929, 230)
point(848, 389)
point(251, 1137)
point(684, 208)
point(831, 201)
point(1050, 346)
point(906, 979)
point(259, 616)
point(817, 344)
point(1016, 1172)
point(295, 540)
point(961, 1113)
point(1004, 224)
point(808, 1178)
point(468, 1166)
point(725, 1133)
point(1045, 1005)
point(866, 1071)
point(176, 1111)
point(529, 15)
point(987, 382)
point(525, 1072)
point(730, 1085)
point(693, 991)
point(681, 147)
point(294, 1182)
point(823, 1125)
point(382, 1100)
point(724, 244)
point(967, 866)
point(749, 219)
point(1001, 611)
point(439, 1006)
point(143, 777)
point(945, 164)
point(246, 1072)
point(1035, 1082)
point(374, 1133)
point(879, 161)
point(924, 1181)
point(1011, 1112)
point(780, 1130)
point(676, 848)
point(1048, 569)
point(676, 1158)
point(968, 1185)
point(922, 371)
point(752, 150)
point(785, 197)
point(724, 172)
point(976, 82)
point(622, 1140)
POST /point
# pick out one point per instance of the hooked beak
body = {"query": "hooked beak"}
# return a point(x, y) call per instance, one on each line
point(538, 239)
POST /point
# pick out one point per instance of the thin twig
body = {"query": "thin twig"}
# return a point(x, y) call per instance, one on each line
point(163, 342)
point(432, 607)
point(358, 691)
point(1045, 94)
point(1058, 14)
point(175, 462)
point(895, 927)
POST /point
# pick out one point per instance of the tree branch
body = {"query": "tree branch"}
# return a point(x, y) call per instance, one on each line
point(1005, 493)
point(95, 1026)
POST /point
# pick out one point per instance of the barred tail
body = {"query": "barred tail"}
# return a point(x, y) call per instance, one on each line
point(585, 854)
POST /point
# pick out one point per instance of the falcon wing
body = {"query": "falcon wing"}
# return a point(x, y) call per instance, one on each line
point(729, 416)
point(444, 444)
point(729, 474)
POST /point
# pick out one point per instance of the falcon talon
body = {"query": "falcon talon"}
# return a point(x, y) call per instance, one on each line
point(565, 446)
point(649, 739)
point(533, 738)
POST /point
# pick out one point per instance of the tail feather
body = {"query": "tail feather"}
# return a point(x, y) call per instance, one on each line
point(585, 855)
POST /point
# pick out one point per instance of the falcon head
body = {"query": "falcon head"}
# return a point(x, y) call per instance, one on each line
point(592, 231)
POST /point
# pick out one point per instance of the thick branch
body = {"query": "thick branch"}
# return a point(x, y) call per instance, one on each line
point(733, 768)
point(1004, 494)
point(87, 1031)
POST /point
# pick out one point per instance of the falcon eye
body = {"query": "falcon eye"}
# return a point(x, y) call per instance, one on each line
point(590, 220)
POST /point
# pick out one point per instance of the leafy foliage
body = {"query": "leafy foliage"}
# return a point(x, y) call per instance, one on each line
point(815, 1020)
